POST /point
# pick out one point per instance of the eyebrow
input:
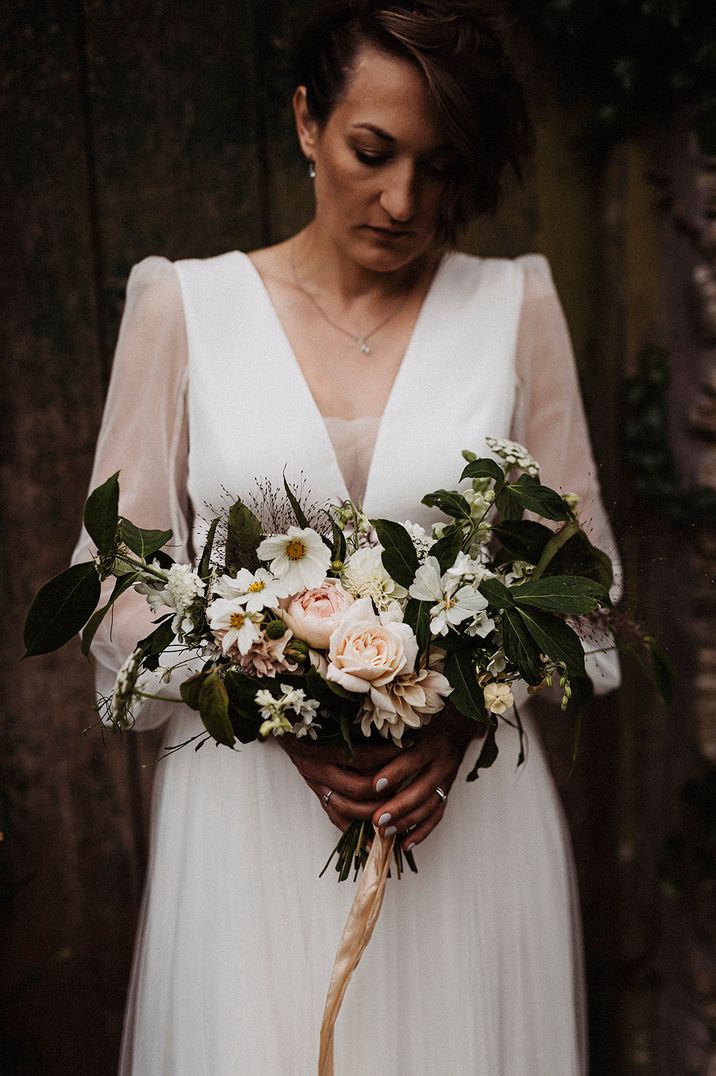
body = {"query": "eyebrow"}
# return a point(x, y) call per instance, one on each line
point(377, 131)
point(380, 133)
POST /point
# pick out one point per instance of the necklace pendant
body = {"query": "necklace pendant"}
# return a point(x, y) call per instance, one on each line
point(364, 345)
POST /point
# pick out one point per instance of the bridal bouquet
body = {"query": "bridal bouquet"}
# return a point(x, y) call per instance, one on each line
point(320, 623)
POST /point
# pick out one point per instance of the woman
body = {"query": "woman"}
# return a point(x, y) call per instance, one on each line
point(365, 355)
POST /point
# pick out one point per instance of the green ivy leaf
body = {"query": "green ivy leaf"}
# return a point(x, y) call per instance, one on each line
point(101, 515)
point(498, 595)
point(124, 582)
point(61, 608)
point(189, 690)
point(555, 639)
point(243, 537)
point(531, 495)
point(399, 557)
point(154, 645)
point(524, 539)
point(417, 616)
point(520, 647)
point(446, 549)
point(577, 556)
point(467, 694)
point(142, 542)
point(447, 501)
point(566, 594)
point(488, 754)
point(485, 468)
point(214, 709)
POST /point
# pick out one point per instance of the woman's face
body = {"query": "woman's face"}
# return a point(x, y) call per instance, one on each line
point(382, 163)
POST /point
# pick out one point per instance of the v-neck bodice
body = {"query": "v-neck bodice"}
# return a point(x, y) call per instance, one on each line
point(252, 415)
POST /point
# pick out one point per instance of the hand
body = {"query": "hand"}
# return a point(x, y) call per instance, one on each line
point(324, 769)
point(409, 781)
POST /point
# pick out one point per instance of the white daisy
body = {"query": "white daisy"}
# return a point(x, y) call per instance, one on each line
point(300, 558)
point(255, 590)
point(232, 625)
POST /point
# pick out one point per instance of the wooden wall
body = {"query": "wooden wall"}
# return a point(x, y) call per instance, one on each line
point(140, 128)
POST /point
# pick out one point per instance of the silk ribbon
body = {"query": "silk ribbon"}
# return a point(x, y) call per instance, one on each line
point(357, 932)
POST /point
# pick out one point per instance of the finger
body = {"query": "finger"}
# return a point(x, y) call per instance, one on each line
point(415, 818)
point(418, 792)
point(335, 816)
point(349, 784)
point(371, 757)
point(410, 840)
point(406, 766)
point(351, 809)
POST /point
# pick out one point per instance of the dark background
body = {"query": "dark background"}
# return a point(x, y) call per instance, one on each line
point(135, 128)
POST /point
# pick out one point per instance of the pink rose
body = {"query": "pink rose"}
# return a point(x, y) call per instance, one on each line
point(313, 614)
point(366, 653)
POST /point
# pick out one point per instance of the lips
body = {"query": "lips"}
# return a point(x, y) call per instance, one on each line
point(392, 233)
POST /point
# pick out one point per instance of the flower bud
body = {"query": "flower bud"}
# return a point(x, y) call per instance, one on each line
point(275, 629)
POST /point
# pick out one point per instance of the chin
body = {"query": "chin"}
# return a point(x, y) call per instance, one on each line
point(386, 257)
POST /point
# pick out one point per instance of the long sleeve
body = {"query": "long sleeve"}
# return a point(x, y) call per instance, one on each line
point(549, 420)
point(144, 435)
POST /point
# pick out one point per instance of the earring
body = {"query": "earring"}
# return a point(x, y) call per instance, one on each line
point(312, 169)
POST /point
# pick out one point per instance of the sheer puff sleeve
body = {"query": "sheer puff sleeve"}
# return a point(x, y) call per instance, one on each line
point(549, 420)
point(144, 435)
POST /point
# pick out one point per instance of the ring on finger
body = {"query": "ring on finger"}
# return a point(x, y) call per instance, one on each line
point(327, 797)
point(441, 793)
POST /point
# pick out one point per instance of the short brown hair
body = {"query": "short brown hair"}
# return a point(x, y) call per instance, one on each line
point(459, 50)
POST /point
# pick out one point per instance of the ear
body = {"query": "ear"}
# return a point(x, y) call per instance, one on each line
point(306, 126)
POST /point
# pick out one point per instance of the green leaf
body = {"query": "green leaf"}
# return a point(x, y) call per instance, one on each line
point(488, 754)
point(574, 554)
point(189, 689)
point(447, 501)
point(205, 562)
point(417, 616)
point(214, 709)
point(124, 582)
point(399, 557)
point(521, 731)
point(142, 542)
point(446, 549)
point(662, 668)
point(338, 549)
point(101, 516)
point(293, 501)
point(484, 468)
point(508, 505)
point(555, 639)
point(498, 595)
point(520, 647)
point(154, 644)
point(524, 539)
point(61, 608)
point(243, 537)
point(571, 595)
point(467, 694)
point(544, 501)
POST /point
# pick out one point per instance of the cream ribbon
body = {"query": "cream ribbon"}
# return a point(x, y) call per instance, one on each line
point(357, 932)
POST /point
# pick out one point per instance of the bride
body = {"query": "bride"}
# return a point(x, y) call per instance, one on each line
point(363, 355)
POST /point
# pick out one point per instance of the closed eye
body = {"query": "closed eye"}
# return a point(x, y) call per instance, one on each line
point(371, 159)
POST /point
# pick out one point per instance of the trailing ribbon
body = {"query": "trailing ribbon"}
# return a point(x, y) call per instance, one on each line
point(357, 932)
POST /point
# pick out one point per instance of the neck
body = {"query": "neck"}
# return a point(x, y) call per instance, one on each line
point(322, 265)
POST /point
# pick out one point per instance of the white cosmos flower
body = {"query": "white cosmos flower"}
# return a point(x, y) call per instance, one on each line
point(300, 558)
point(255, 590)
point(364, 576)
point(232, 625)
point(452, 603)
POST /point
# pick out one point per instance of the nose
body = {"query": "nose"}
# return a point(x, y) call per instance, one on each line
point(398, 197)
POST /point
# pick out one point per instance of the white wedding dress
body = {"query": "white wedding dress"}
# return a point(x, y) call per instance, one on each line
point(475, 965)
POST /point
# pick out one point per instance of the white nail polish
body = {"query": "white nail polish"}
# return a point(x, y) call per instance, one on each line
point(410, 847)
point(390, 831)
point(384, 819)
point(381, 784)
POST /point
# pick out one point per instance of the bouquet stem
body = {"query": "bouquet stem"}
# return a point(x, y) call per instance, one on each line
point(353, 848)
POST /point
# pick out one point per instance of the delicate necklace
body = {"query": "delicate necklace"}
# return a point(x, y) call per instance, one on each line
point(361, 340)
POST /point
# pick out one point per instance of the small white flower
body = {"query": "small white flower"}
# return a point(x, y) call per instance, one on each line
point(232, 625)
point(514, 454)
point(497, 663)
point(364, 576)
point(300, 558)
point(498, 697)
point(124, 690)
point(452, 603)
point(420, 539)
point(255, 590)
point(273, 710)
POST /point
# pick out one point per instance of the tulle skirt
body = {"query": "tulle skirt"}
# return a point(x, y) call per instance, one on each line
point(474, 968)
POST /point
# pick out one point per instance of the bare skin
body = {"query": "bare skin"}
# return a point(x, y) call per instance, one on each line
point(381, 167)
